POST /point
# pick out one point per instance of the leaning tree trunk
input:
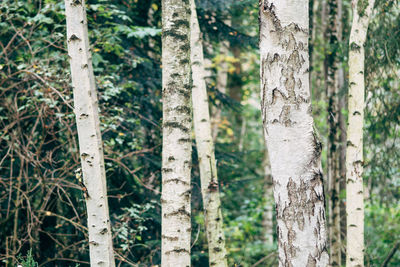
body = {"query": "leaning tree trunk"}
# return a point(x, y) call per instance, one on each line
point(205, 150)
point(177, 144)
point(362, 10)
point(90, 143)
point(332, 74)
point(293, 145)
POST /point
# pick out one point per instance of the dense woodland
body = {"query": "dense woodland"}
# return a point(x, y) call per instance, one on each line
point(199, 133)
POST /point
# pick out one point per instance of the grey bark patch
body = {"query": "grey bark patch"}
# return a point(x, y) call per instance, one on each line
point(312, 262)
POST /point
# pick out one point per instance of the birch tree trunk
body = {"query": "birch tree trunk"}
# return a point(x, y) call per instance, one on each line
point(177, 124)
point(205, 150)
point(293, 145)
point(362, 10)
point(90, 143)
point(332, 74)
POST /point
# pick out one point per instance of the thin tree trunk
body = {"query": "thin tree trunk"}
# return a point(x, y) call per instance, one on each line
point(205, 150)
point(268, 206)
point(293, 145)
point(342, 139)
point(177, 125)
point(362, 11)
point(333, 35)
point(90, 143)
point(342, 165)
point(222, 82)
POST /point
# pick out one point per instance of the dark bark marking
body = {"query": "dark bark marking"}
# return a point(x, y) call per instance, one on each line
point(181, 22)
point(175, 35)
point(73, 38)
point(170, 238)
point(83, 116)
point(177, 250)
point(176, 125)
point(166, 170)
point(312, 262)
point(93, 243)
point(183, 109)
point(175, 180)
point(181, 211)
point(76, 3)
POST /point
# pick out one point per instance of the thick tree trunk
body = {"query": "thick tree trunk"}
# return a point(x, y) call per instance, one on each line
point(205, 150)
point(332, 68)
point(177, 144)
point(292, 141)
point(90, 143)
point(362, 11)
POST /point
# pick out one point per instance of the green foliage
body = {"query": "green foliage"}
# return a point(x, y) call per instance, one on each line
point(28, 261)
point(381, 232)
point(361, 7)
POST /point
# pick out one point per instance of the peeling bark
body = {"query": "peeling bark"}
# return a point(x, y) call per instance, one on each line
point(293, 145)
point(90, 143)
point(205, 150)
point(362, 10)
point(177, 124)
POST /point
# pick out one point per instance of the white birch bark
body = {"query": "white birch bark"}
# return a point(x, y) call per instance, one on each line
point(90, 142)
point(293, 145)
point(177, 144)
point(205, 150)
point(362, 10)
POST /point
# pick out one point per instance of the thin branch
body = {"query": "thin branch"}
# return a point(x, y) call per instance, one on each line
point(391, 254)
point(51, 87)
point(263, 259)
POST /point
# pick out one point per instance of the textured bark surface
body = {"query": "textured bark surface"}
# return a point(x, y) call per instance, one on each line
point(177, 144)
point(90, 143)
point(293, 145)
point(333, 85)
point(205, 150)
point(362, 11)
